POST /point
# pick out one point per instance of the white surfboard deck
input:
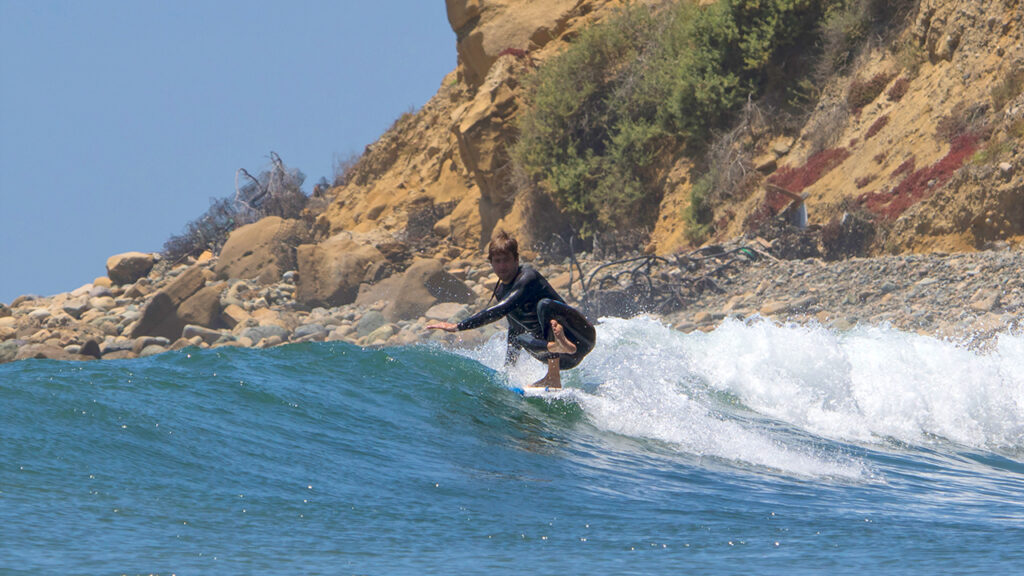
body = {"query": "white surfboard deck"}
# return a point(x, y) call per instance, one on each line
point(533, 391)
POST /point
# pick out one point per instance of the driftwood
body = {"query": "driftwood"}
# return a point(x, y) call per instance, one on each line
point(649, 283)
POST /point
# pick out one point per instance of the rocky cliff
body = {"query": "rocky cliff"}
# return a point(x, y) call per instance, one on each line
point(922, 132)
point(444, 170)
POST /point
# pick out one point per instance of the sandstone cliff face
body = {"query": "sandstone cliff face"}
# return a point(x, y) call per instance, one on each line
point(912, 158)
point(444, 170)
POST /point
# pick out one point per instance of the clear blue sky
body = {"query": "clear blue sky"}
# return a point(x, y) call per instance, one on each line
point(120, 120)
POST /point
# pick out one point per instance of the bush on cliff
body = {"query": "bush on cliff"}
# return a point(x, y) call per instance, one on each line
point(276, 192)
point(603, 120)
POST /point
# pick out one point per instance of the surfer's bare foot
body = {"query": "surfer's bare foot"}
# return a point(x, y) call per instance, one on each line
point(561, 345)
point(553, 379)
point(544, 383)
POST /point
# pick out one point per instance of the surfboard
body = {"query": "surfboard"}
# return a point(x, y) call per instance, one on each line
point(528, 391)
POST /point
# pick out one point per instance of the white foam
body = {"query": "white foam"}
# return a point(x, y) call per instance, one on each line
point(767, 394)
point(871, 383)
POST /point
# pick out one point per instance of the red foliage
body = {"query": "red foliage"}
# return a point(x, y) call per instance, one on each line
point(922, 183)
point(796, 179)
point(758, 217)
point(864, 92)
point(864, 180)
point(876, 127)
point(908, 166)
point(775, 201)
point(517, 52)
point(898, 89)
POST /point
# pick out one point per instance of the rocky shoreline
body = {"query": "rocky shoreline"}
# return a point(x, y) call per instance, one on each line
point(957, 296)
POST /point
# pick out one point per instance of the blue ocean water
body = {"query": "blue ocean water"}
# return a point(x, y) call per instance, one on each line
point(755, 449)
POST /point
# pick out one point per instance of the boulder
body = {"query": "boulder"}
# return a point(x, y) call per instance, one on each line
point(447, 312)
point(258, 333)
point(138, 290)
point(410, 295)
point(160, 316)
point(23, 300)
point(128, 267)
point(76, 306)
point(309, 332)
point(42, 351)
point(8, 351)
point(207, 334)
point(205, 257)
point(330, 272)
point(185, 285)
point(233, 315)
point(152, 350)
point(182, 343)
point(263, 250)
point(340, 333)
point(90, 348)
point(203, 308)
point(144, 342)
point(112, 344)
point(369, 322)
point(103, 303)
point(380, 335)
point(270, 342)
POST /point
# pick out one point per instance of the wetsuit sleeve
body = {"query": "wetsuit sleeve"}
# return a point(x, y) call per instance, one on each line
point(499, 310)
point(512, 299)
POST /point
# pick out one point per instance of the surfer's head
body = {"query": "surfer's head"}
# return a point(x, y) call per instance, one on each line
point(503, 254)
point(502, 243)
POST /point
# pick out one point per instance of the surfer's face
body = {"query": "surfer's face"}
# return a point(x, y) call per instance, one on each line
point(505, 266)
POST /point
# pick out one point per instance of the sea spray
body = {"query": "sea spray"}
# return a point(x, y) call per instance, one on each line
point(643, 381)
point(871, 383)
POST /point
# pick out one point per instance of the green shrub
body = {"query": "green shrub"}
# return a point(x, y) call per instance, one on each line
point(602, 120)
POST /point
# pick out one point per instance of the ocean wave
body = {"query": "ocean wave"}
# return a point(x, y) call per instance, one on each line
point(792, 398)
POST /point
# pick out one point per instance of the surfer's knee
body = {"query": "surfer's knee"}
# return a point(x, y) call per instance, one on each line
point(544, 309)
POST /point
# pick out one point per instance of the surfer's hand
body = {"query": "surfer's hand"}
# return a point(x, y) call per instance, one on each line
point(446, 326)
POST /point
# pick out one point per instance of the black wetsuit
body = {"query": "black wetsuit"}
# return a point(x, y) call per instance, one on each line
point(530, 303)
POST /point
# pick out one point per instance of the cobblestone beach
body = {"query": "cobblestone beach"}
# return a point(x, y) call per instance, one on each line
point(954, 296)
point(965, 296)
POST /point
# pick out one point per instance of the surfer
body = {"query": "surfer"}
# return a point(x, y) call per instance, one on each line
point(539, 320)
